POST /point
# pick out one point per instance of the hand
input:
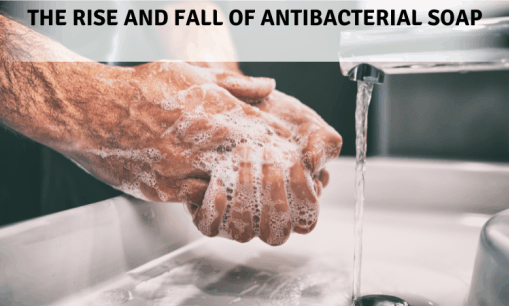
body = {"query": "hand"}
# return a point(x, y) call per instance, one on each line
point(319, 141)
point(177, 136)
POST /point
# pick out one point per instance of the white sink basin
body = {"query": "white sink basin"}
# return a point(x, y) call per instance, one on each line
point(422, 225)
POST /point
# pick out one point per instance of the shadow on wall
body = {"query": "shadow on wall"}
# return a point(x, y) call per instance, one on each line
point(36, 181)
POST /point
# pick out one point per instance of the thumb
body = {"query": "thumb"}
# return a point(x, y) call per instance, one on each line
point(245, 88)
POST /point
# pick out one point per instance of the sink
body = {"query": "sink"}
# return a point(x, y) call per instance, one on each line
point(423, 221)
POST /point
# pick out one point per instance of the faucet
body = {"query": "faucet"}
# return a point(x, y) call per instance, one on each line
point(369, 55)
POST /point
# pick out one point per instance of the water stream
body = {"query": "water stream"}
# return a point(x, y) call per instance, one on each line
point(364, 91)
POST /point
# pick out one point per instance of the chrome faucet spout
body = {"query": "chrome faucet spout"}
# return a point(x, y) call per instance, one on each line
point(366, 73)
point(426, 49)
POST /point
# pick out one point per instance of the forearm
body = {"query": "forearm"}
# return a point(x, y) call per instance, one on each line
point(21, 44)
point(55, 103)
point(34, 102)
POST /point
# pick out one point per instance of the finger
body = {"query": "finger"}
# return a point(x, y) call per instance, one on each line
point(192, 192)
point(207, 217)
point(289, 109)
point(318, 187)
point(243, 222)
point(150, 192)
point(322, 146)
point(276, 219)
point(303, 199)
point(247, 89)
point(277, 126)
point(323, 176)
point(203, 134)
point(320, 142)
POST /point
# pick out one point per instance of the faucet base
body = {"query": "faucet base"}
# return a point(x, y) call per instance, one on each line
point(366, 73)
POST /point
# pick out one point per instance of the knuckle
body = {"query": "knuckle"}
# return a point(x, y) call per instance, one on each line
point(324, 177)
point(318, 187)
point(335, 142)
point(305, 230)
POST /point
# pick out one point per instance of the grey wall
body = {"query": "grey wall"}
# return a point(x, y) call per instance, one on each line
point(447, 116)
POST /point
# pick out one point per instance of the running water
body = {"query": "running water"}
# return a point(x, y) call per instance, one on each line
point(364, 91)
